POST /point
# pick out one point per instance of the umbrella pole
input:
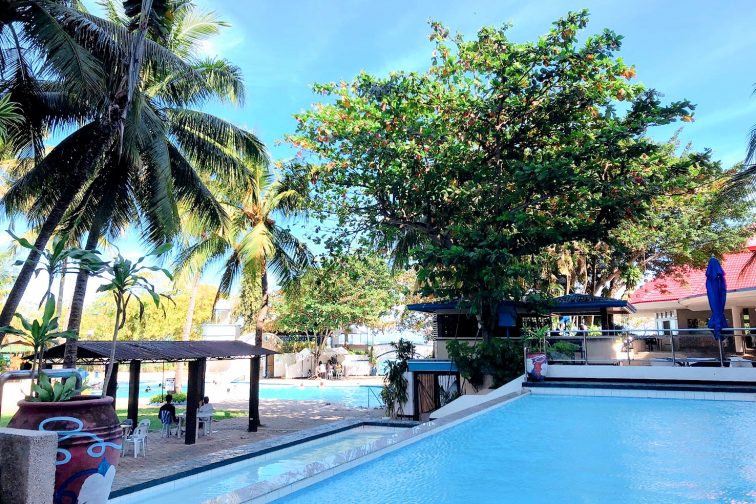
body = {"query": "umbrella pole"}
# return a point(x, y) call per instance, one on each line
point(721, 358)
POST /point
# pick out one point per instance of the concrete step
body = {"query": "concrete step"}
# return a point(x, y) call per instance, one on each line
point(687, 386)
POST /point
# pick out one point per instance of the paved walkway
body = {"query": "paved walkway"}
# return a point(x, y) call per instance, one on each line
point(166, 456)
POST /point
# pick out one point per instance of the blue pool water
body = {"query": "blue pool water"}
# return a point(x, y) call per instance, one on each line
point(354, 396)
point(568, 449)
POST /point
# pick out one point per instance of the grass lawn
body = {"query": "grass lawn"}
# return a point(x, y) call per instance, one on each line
point(151, 413)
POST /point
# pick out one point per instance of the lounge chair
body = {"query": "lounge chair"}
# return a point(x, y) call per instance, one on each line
point(137, 438)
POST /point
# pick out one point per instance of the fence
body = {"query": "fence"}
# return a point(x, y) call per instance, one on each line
point(652, 347)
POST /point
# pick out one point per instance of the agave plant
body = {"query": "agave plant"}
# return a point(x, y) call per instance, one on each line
point(46, 391)
point(128, 282)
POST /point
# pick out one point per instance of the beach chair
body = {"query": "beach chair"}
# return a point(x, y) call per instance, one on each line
point(167, 420)
point(137, 439)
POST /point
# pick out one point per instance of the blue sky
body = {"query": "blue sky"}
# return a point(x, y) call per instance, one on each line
point(699, 50)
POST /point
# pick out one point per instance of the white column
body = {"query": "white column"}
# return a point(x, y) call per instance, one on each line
point(737, 321)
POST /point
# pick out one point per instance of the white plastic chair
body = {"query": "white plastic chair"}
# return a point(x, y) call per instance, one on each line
point(138, 437)
point(207, 423)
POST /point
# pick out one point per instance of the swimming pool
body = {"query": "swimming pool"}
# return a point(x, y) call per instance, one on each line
point(568, 449)
point(353, 396)
point(236, 476)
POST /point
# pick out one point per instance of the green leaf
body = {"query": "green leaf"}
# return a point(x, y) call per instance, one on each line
point(57, 391)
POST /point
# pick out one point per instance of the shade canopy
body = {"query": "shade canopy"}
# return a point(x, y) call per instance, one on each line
point(97, 352)
point(716, 291)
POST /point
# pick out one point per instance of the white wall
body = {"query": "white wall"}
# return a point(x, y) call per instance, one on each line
point(653, 373)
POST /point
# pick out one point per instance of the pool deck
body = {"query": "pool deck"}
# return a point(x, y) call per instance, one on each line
point(280, 418)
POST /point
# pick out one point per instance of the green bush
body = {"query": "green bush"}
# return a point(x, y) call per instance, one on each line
point(500, 358)
point(178, 398)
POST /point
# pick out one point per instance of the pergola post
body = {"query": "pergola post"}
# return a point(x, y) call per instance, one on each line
point(135, 368)
point(195, 384)
point(112, 385)
point(254, 394)
point(604, 319)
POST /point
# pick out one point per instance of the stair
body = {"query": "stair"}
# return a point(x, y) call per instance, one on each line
point(676, 385)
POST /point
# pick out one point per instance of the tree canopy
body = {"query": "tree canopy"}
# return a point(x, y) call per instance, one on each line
point(472, 169)
point(340, 292)
point(156, 324)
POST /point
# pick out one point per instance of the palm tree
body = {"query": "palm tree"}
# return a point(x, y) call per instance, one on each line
point(252, 246)
point(44, 28)
point(134, 158)
point(192, 139)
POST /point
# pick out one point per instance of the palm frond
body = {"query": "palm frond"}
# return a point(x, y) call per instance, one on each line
point(290, 260)
point(79, 70)
point(190, 190)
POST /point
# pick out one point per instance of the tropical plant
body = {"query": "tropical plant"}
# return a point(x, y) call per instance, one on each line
point(253, 245)
point(471, 169)
point(127, 281)
point(39, 333)
point(394, 393)
point(9, 117)
point(339, 292)
point(502, 359)
point(63, 390)
point(60, 260)
point(197, 146)
point(140, 150)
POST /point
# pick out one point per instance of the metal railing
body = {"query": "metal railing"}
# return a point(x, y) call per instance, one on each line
point(654, 347)
point(376, 396)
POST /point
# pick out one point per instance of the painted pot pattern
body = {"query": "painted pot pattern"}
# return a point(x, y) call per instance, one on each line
point(89, 445)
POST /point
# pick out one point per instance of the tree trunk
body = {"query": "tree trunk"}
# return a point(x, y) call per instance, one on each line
point(61, 293)
point(261, 315)
point(178, 377)
point(109, 370)
point(487, 319)
point(27, 270)
point(77, 302)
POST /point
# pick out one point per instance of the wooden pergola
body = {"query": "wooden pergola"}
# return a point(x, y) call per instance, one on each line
point(196, 353)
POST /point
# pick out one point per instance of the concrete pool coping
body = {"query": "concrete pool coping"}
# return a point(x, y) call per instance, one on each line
point(226, 457)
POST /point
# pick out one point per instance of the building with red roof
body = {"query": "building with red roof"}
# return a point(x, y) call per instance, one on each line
point(678, 300)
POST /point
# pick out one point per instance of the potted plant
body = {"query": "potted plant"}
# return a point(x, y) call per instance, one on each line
point(89, 432)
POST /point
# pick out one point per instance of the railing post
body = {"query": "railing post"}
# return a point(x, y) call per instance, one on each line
point(585, 346)
point(672, 344)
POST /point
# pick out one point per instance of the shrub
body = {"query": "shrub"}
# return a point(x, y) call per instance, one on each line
point(500, 358)
point(178, 398)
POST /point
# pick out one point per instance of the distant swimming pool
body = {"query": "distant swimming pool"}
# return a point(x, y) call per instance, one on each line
point(568, 449)
point(353, 396)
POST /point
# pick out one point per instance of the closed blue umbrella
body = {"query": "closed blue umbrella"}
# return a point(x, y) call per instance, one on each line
point(716, 291)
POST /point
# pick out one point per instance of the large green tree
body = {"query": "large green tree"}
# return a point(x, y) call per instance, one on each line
point(119, 205)
point(498, 151)
point(157, 323)
point(341, 291)
point(684, 228)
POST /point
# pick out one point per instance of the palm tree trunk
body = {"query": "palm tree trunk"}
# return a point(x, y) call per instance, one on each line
point(254, 406)
point(77, 302)
point(178, 380)
point(27, 270)
point(109, 370)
